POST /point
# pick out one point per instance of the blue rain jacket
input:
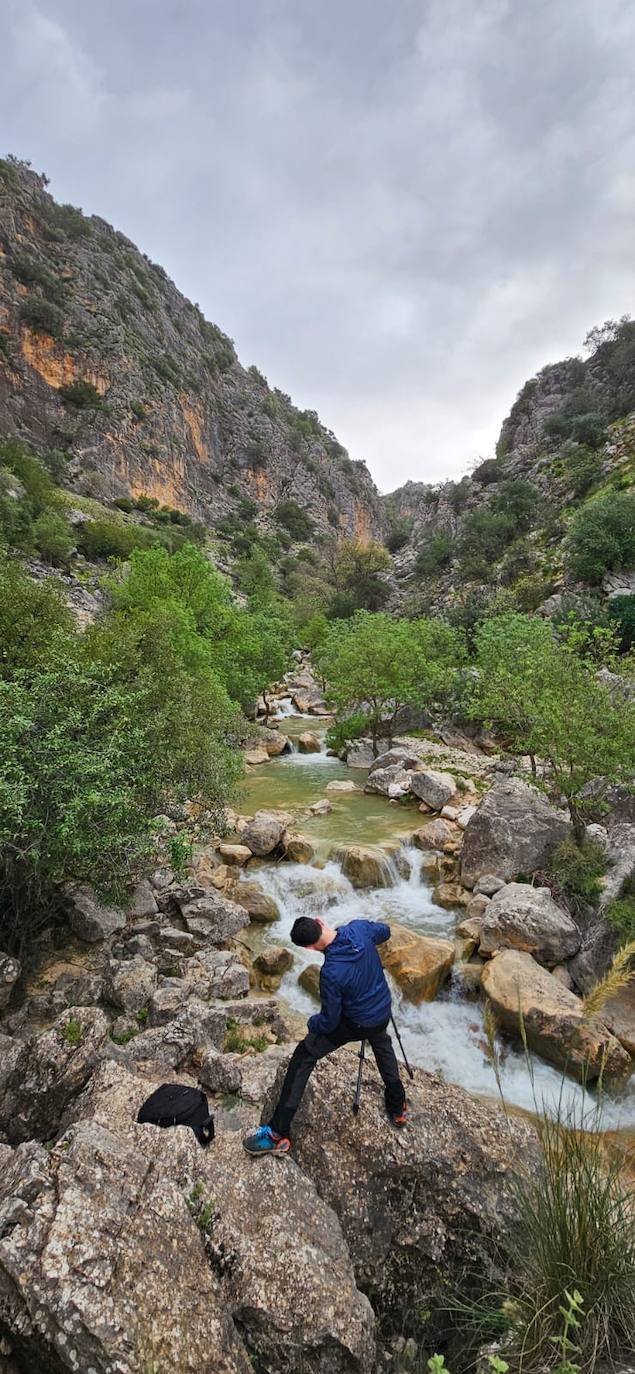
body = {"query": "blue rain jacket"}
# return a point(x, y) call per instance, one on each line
point(352, 980)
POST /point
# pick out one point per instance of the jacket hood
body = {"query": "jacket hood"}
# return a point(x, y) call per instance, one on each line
point(345, 947)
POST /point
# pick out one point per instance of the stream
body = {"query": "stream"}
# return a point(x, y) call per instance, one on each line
point(446, 1036)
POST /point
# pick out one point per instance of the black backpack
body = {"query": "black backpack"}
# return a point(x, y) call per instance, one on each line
point(175, 1105)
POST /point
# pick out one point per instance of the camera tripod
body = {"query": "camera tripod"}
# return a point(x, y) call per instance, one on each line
point(362, 1057)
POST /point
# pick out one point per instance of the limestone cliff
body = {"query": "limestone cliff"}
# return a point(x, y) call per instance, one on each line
point(101, 355)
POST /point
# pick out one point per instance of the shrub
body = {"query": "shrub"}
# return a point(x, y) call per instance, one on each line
point(291, 516)
point(81, 394)
point(581, 467)
point(110, 539)
point(43, 316)
point(138, 410)
point(517, 499)
point(434, 555)
point(621, 915)
point(31, 272)
point(124, 503)
point(489, 470)
point(398, 533)
point(578, 871)
point(53, 537)
point(34, 620)
point(485, 534)
point(622, 613)
point(30, 471)
point(602, 537)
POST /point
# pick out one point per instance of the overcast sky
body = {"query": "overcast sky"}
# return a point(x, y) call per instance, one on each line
point(399, 209)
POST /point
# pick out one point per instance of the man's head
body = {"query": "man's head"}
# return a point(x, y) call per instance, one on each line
point(312, 933)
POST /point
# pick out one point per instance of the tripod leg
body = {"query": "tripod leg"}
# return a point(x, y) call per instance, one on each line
point(358, 1090)
point(403, 1052)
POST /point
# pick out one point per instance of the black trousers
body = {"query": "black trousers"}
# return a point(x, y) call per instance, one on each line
point(314, 1047)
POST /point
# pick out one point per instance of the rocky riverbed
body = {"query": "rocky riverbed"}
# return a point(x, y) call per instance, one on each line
point(125, 1248)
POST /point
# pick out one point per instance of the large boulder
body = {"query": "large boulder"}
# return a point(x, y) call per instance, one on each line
point(263, 834)
point(553, 1017)
point(437, 834)
point(213, 918)
point(309, 979)
point(309, 743)
point(131, 983)
point(258, 904)
point(513, 831)
point(10, 970)
point(431, 1200)
point(364, 865)
point(88, 919)
point(433, 788)
point(49, 1071)
point(401, 756)
point(172, 1253)
point(420, 964)
point(524, 917)
point(388, 782)
point(297, 849)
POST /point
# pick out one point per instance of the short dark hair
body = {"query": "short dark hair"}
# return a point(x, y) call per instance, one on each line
point(306, 931)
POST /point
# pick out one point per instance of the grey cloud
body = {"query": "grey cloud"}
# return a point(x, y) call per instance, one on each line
point(398, 211)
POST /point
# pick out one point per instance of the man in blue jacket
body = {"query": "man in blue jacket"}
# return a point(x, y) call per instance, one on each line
point(356, 1004)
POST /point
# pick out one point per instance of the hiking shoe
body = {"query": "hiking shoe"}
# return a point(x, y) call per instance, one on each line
point(402, 1117)
point(264, 1141)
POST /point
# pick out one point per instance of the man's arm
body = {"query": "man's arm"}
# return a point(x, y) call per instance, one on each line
point(379, 932)
point(329, 1016)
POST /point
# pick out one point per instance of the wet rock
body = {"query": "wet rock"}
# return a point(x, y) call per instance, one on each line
point(143, 902)
point(553, 1017)
point(309, 979)
point(50, 1070)
point(513, 831)
point(450, 895)
point(420, 964)
point(214, 918)
point(433, 1199)
point(436, 834)
point(10, 970)
point(235, 855)
point(433, 788)
point(365, 866)
point(523, 917)
point(342, 785)
point(88, 919)
point(321, 808)
point(264, 832)
point(297, 849)
point(274, 960)
point(258, 904)
point(309, 743)
point(387, 782)
point(275, 743)
point(256, 756)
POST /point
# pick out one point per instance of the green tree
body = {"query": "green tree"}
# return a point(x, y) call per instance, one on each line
point(53, 538)
point(255, 577)
point(602, 537)
point(376, 664)
point(35, 624)
point(358, 566)
point(550, 704)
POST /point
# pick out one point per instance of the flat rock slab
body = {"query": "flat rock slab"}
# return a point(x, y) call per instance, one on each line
point(553, 1017)
point(527, 918)
point(420, 964)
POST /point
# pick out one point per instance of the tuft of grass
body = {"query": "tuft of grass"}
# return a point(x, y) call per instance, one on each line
point(620, 974)
point(72, 1032)
point(238, 1039)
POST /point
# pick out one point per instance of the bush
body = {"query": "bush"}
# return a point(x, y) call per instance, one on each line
point(42, 316)
point(398, 533)
point(349, 728)
point(622, 613)
point(109, 539)
point(517, 499)
point(578, 871)
point(292, 518)
point(138, 410)
point(485, 534)
point(434, 555)
point(54, 538)
point(581, 465)
point(34, 621)
point(31, 272)
point(602, 537)
point(81, 394)
point(30, 471)
point(621, 915)
point(124, 503)
point(490, 470)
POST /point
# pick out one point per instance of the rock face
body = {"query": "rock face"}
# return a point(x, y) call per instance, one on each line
point(363, 864)
point(171, 1253)
point(182, 421)
point(264, 832)
point(513, 831)
point(88, 919)
point(428, 1200)
point(527, 918)
point(433, 788)
point(554, 1017)
point(419, 963)
point(10, 969)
